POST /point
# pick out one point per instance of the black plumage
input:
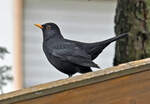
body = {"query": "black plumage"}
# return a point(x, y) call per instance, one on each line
point(70, 56)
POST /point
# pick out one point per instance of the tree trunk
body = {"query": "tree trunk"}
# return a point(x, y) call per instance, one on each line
point(133, 17)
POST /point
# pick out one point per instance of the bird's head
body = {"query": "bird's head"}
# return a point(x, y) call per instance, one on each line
point(50, 30)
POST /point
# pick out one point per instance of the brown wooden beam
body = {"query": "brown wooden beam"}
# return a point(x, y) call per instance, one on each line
point(17, 66)
point(124, 84)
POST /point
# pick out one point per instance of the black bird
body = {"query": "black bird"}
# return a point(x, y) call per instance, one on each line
point(70, 56)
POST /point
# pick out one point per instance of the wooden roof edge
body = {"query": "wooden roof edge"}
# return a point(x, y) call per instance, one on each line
point(77, 81)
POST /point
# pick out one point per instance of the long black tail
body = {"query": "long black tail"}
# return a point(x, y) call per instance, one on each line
point(96, 48)
point(108, 41)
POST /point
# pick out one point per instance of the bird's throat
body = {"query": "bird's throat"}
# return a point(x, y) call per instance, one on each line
point(50, 36)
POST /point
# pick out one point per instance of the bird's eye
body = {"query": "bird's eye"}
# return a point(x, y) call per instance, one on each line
point(48, 27)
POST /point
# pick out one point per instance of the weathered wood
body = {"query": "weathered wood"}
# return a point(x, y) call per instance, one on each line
point(126, 84)
point(131, 89)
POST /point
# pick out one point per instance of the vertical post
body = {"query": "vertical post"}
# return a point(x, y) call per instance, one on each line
point(17, 69)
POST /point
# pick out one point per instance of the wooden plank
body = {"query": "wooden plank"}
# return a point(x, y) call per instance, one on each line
point(17, 65)
point(121, 77)
point(131, 89)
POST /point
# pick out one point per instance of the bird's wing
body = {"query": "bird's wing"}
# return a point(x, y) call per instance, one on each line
point(74, 54)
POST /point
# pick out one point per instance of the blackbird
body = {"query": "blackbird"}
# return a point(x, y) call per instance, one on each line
point(70, 56)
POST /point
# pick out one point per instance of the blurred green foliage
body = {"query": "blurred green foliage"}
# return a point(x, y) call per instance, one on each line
point(5, 76)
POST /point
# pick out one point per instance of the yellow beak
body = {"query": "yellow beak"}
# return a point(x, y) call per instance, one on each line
point(38, 25)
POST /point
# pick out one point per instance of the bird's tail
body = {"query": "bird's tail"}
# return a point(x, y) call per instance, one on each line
point(97, 48)
point(115, 38)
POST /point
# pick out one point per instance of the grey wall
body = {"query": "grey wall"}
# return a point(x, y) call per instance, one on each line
point(81, 20)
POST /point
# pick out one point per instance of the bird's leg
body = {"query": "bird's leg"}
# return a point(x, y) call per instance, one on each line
point(70, 75)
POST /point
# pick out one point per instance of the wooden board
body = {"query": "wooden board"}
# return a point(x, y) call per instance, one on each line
point(124, 84)
point(131, 89)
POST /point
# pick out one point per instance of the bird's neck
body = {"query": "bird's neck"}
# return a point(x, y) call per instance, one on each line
point(52, 36)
